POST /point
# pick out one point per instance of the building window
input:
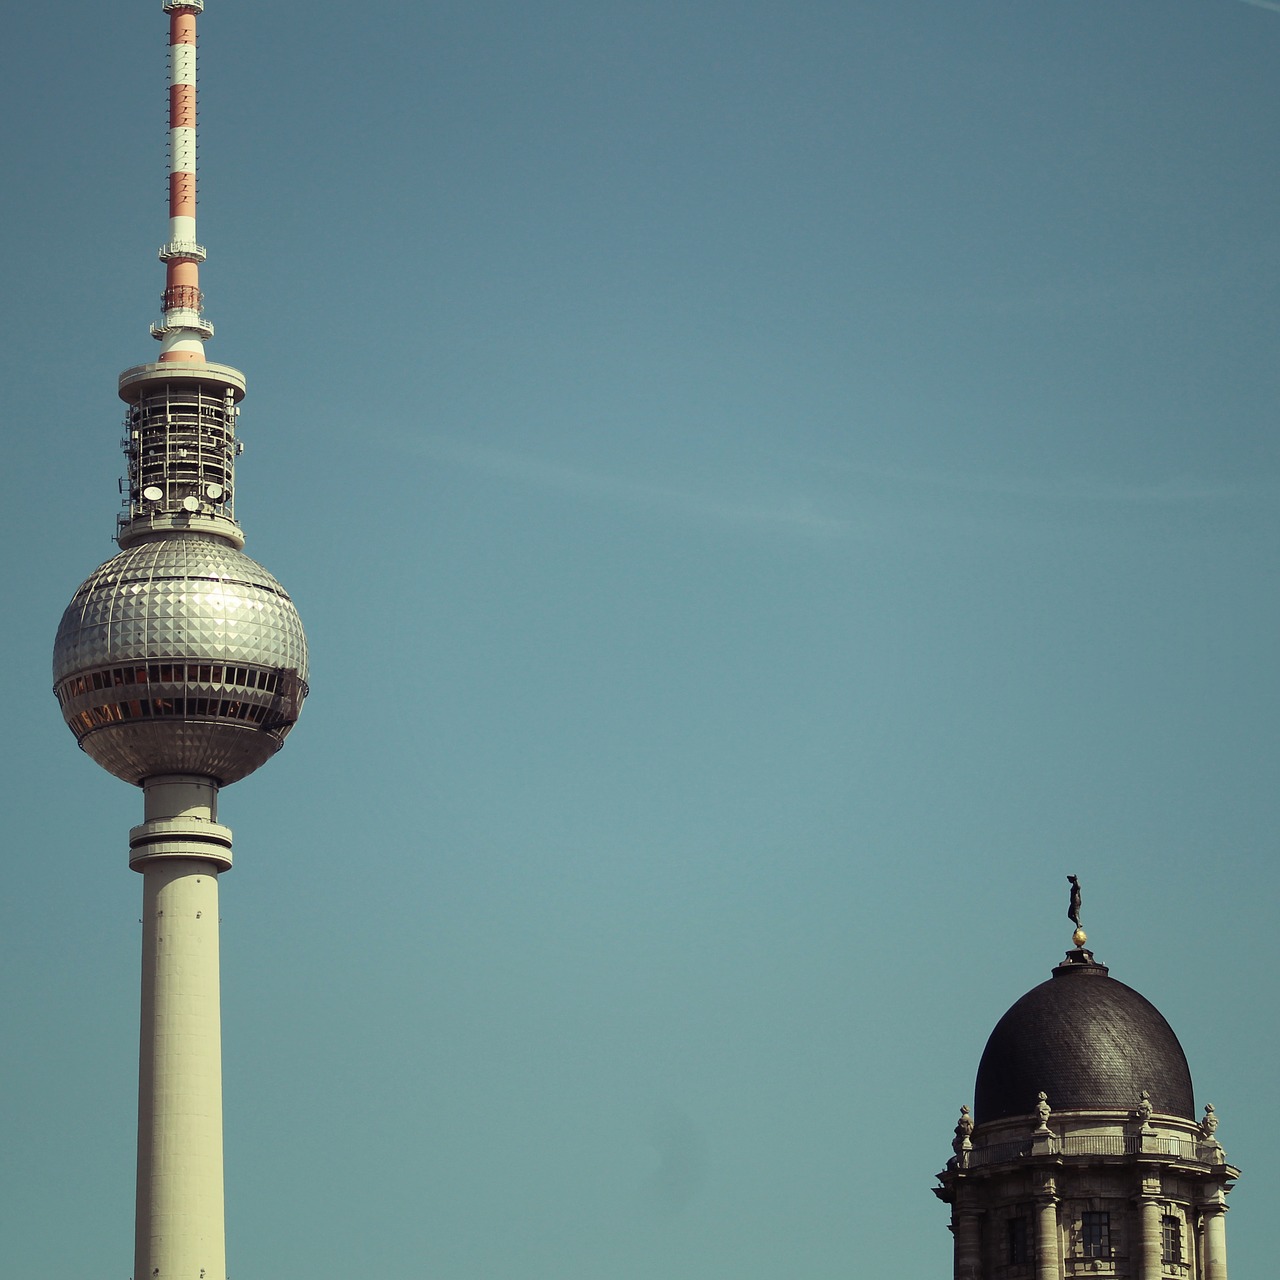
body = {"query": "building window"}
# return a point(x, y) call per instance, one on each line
point(1170, 1238)
point(1095, 1235)
point(1019, 1241)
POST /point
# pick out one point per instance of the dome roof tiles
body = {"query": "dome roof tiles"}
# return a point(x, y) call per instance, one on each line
point(1089, 1043)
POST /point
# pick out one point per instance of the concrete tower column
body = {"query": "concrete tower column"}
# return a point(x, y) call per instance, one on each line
point(1150, 1247)
point(1215, 1242)
point(1048, 1259)
point(180, 850)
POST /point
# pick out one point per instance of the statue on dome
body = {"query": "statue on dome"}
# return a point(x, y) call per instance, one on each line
point(1144, 1110)
point(1073, 913)
point(1043, 1112)
point(1209, 1125)
point(1210, 1148)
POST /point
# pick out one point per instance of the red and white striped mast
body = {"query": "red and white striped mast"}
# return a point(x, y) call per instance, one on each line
point(183, 330)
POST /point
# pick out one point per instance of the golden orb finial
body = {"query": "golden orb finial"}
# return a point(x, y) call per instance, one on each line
point(1079, 937)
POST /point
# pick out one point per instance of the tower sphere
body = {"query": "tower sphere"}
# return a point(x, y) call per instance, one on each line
point(1087, 1041)
point(180, 655)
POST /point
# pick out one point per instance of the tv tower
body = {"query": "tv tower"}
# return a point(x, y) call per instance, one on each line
point(180, 666)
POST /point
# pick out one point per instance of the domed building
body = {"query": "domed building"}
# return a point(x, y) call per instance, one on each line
point(1083, 1155)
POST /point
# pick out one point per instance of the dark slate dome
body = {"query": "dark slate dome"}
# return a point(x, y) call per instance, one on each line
point(1089, 1042)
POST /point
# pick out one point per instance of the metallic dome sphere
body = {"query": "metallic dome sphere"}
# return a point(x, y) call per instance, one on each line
point(1090, 1043)
point(180, 655)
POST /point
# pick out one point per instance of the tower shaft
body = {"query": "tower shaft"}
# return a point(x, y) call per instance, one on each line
point(180, 849)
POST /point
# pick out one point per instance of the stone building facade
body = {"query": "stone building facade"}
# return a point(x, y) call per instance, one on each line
point(1083, 1156)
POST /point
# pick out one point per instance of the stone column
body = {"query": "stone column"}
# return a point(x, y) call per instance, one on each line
point(1048, 1261)
point(1151, 1242)
point(967, 1227)
point(1215, 1242)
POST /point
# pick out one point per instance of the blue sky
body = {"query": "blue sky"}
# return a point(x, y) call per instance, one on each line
point(772, 489)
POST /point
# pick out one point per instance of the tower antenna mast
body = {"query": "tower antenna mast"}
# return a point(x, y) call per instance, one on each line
point(183, 330)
